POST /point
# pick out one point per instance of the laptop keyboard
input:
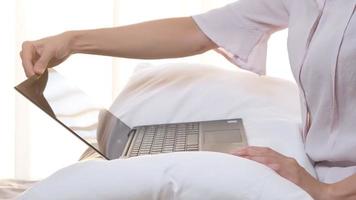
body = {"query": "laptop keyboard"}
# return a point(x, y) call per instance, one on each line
point(166, 139)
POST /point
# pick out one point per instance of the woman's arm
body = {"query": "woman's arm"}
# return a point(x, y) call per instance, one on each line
point(343, 190)
point(167, 38)
point(291, 170)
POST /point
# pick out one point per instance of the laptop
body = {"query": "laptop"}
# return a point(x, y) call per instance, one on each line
point(76, 112)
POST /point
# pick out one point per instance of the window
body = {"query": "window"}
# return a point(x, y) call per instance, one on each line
point(32, 145)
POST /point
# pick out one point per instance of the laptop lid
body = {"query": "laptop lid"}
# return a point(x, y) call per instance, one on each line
point(71, 108)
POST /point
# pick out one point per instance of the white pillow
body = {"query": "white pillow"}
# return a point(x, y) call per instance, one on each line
point(184, 92)
point(178, 93)
point(178, 176)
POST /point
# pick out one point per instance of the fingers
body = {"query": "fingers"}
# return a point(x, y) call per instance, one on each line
point(27, 55)
point(270, 162)
point(41, 54)
point(35, 60)
point(260, 159)
point(265, 156)
point(42, 63)
point(262, 155)
point(284, 166)
point(255, 151)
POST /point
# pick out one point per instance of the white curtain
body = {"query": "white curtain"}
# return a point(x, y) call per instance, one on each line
point(32, 146)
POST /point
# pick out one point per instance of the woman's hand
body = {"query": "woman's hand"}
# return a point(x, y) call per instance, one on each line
point(284, 166)
point(287, 168)
point(48, 52)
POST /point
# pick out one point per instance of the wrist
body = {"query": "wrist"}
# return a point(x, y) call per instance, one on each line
point(73, 40)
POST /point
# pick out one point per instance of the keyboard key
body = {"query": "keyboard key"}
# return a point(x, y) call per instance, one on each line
point(192, 139)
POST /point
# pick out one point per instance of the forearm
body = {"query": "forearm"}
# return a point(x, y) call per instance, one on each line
point(343, 190)
point(316, 189)
point(167, 38)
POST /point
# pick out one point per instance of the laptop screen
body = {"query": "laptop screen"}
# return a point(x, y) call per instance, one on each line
point(70, 107)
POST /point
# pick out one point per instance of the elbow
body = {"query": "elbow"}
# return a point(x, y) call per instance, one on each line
point(202, 42)
point(205, 46)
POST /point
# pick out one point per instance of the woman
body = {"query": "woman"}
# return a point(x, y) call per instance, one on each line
point(322, 49)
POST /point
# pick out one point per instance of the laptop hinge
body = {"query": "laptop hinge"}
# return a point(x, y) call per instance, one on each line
point(130, 136)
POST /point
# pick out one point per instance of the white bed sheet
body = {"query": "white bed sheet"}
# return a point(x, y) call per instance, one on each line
point(10, 189)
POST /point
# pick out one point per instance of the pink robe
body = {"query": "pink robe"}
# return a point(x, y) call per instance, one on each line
point(322, 53)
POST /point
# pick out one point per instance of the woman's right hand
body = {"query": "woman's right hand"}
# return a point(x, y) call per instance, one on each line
point(45, 53)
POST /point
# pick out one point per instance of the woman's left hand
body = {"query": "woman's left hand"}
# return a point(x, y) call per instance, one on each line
point(286, 167)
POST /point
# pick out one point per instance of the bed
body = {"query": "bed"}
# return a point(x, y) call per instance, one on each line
point(189, 92)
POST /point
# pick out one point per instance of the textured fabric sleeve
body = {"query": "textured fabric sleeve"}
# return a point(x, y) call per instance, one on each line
point(241, 30)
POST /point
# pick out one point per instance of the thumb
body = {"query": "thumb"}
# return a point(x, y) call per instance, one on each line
point(42, 63)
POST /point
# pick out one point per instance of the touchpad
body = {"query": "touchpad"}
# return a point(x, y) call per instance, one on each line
point(228, 136)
